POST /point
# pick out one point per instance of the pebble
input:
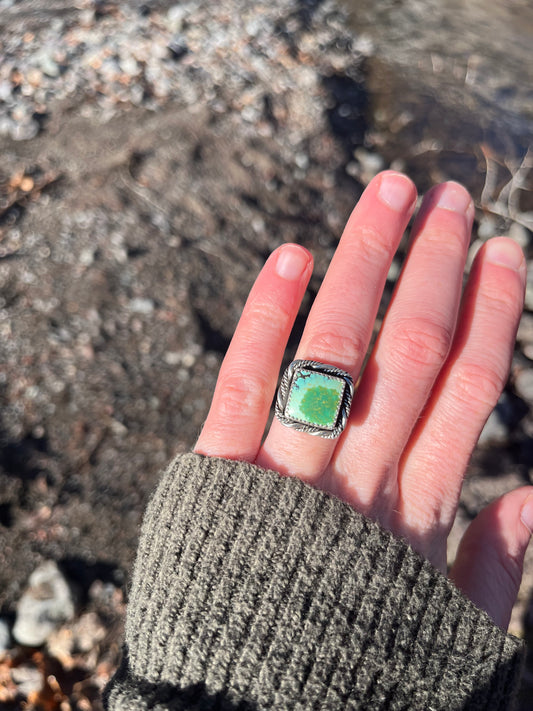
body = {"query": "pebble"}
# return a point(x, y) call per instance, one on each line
point(47, 64)
point(28, 678)
point(525, 329)
point(45, 605)
point(24, 131)
point(178, 46)
point(370, 163)
point(487, 227)
point(520, 234)
point(175, 16)
point(5, 635)
point(6, 126)
point(529, 287)
point(525, 334)
point(81, 636)
point(524, 385)
point(142, 306)
point(5, 91)
point(495, 431)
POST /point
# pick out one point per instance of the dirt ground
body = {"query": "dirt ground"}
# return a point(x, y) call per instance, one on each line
point(127, 248)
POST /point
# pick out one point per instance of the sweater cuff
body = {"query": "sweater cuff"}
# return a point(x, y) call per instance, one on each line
point(256, 591)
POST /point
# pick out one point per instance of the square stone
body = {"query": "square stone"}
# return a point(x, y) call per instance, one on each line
point(315, 399)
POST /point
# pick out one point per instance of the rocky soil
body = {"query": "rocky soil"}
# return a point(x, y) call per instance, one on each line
point(153, 154)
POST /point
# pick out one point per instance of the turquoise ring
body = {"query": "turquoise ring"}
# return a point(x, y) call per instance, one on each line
point(315, 398)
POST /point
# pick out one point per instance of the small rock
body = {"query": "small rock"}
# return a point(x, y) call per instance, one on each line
point(394, 271)
point(487, 227)
point(57, 25)
point(495, 431)
point(142, 306)
point(78, 638)
point(178, 46)
point(527, 350)
point(529, 287)
point(5, 91)
point(47, 64)
point(86, 18)
point(520, 234)
point(34, 77)
point(86, 257)
point(24, 131)
point(7, 126)
point(28, 679)
point(302, 161)
point(110, 69)
point(371, 163)
point(118, 428)
point(175, 17)
point(524, 385)
point(129, 66)
point(45, 605)
point(5, 636)
point(172, 357)
point(525, 329)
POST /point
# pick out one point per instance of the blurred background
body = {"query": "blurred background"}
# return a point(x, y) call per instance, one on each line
point(152, 155)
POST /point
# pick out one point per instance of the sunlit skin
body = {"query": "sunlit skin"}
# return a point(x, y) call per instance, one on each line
point(435, 373)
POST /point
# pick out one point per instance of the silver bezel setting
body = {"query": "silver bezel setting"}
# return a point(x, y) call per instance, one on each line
point(284, 391)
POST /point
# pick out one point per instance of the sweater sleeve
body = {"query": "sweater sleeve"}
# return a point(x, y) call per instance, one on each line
point(254, 591)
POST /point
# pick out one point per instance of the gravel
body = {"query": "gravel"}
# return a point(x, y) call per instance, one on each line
point(154, 154)
point(187, 54)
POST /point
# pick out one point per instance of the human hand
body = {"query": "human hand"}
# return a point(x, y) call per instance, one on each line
point(436, 371)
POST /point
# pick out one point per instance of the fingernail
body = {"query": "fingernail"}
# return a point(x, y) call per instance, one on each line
point(396, 191)
point(526, 514)
point(505, 253)
point(452, 196)
point(292, 262)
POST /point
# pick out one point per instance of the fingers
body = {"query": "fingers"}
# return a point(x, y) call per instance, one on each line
point(468, 387)
point(247, 379)
point(414, 342)
point(340, 324)
point(490, 558)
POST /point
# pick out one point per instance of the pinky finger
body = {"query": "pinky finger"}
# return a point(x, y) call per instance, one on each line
point(490, 558)
point(248, 375)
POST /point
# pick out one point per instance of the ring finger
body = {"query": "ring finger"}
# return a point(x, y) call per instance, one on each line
point(340, 323)
point(413, 344)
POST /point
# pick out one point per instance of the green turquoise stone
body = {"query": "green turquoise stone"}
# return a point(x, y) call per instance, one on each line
point(315, 399)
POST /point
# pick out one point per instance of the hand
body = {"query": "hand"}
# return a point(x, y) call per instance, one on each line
point(432, 379)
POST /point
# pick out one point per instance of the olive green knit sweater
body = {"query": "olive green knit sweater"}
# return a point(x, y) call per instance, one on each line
point(253, 591)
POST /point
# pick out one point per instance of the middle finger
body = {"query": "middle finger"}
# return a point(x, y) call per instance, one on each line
point(339, 326)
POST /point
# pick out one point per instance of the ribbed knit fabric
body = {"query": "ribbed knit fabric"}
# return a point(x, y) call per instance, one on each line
point(253, 591)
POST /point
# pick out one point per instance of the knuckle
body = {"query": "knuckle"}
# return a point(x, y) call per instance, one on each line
point(477, 383)
point(503, 301)
point(374, 244)
point(269, 314)
point(242, 396)
point(336, 343)
point(421, 343)
point(448, 240)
